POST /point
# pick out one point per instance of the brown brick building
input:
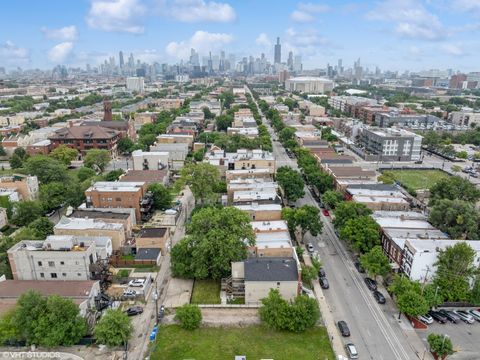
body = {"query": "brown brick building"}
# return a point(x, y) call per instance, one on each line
point(85, 138)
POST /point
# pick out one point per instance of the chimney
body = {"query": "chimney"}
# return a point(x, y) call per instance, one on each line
point(107, 110)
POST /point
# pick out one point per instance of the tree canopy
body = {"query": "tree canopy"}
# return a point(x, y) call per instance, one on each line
point(64, 154)
point(189, 316)
point(98, 158)
point(458, 218)
point(203, 179)
point(114, 328)
point(47, 169)
point(216, 237)
point(440, 345)
point(454, 188)
point(306, 218)
point(412, 303)
point(362, 232)
point(291, 182)
point(332, 198)
point(375, 262)
point(349, 210)
point(25, 212)
point(162, 198)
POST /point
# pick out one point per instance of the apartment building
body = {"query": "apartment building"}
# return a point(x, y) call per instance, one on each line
point(464, 118)
point(153, 238)
point(25, 185)
point(126, 217)
point(389, 144)
point(262, 212)
point(243, 159)
point(272, 239)
point(309, 84)
point(105, 194)
point(378, 197)
point(58, 257)
point(249, 185)
point(150, 160)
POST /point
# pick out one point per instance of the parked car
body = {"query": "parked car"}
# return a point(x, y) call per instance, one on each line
point(310, 247)
point(437, 316)
point(426, 319)
point(323, 282)
point(351, 351)
point(325, 212)
point(359, 267)
point(129, 294)
point(343, 327)
point(134, 310)
point(475, 314)
point(308, 292)
point(450, 315)
point(321, 272)
point(161, 312)
point(465, 316)
point(379, 297)
point(371, 284)
point(137, 283)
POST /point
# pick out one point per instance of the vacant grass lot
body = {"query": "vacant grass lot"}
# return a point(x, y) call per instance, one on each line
point(418, 179)
point(206, 292)
point(256, 342)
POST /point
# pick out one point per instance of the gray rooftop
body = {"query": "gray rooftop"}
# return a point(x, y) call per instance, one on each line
point(147, 254)
point(271, 269)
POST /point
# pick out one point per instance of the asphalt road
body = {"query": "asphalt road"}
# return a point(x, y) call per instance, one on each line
point(374, 328)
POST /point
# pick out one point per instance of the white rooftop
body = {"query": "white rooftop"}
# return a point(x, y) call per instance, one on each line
point(435, 245)
point(130, 186)
point(259, 207)
point(79, 224)
point(264, 194)
point(268, 226)
point(378, 199)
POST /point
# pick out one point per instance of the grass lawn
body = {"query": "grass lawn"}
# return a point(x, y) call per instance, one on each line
point(418, 179)
point(206, 292)
point(256, 342)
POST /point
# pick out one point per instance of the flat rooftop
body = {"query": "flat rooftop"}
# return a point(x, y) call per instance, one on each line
point(77, 223)
point(269, 226)
point(64, 288)
point(271, 269)
point(113, 186)
point(94, 214)
point(259, 207)
point(152, 232)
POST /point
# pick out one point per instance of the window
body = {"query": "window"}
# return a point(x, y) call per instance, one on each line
point(51, 263)
point(39, 263)
point(62, 262)
point(53, 275)
point(42, 275)
point(64, 274)
point(76, 262)
point(79, 274)
point(118, 199)
point(278, 283)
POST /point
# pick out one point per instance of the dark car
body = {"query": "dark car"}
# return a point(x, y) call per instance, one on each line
point(359, 267)
point(323, 282)
point(321, 272)
point(450, 315)
point(437, 316)
point(379, 297)
point(134, 310)
point(343, 327)
point(371, 284)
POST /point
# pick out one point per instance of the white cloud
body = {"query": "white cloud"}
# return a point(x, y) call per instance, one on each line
point(198, 11)
point(201, 41)
point(306, 42)
point(415, 51)
point(452, 49)
point(59, 53)
point(116, 15)
point(67, 33)
point(411, 19)
point(467, 5)
point(12, 54)
point(263, 40)
point(305, 12)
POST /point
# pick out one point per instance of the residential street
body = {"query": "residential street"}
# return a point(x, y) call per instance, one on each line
point(374, 328)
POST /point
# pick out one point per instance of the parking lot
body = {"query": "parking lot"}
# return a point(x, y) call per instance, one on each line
point(465, 338)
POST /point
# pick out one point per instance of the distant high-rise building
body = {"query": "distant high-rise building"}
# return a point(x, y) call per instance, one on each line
point(135, 84)
point(120, 59)
point(290, 61)
point(339, 67)
point(278, 52)
point(131, 61)
point(297, 63)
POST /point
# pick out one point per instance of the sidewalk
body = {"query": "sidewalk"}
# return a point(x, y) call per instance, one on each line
point(327, 317)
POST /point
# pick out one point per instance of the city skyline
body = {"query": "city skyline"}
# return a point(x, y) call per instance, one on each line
point(392, 34)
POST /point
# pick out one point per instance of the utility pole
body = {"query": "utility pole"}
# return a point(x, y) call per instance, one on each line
point(155, 297)
point(427, 270)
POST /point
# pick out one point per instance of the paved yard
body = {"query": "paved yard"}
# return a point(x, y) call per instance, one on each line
point(465, 338)
point(179, 292)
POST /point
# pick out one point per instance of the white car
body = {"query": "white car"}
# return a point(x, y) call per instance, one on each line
point(310, 247)
point(475, 314)
point(465, 316)
point(308, 292)
point(426, 319)
point(130, 294)
point(137, 283)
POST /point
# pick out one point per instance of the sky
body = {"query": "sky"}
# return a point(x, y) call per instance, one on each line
point(392, 34)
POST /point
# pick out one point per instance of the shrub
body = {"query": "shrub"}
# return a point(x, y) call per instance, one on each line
point(189, 316)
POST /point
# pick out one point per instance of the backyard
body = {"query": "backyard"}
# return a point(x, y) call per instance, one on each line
point(206, 292)
point(417, 179)
point(255, 342)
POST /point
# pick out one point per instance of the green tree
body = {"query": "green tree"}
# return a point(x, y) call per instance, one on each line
point(462, 154)
point(323, 182)
point(309, 273)
point(113, 329)
point(24, 212)
point(2, 151)
point(375, 262)
point(440, 345)
point(456, 270)
point(97, 158)
point(125, 145)
point(412, 303)
point(61, 323)
point(475, 292)
point(401, 284)
point(207, 113)
point(28, 313)
point(114, 175)
point(307, 219)
point(162, 198)
point(42, 227)
point(216, 237)
point(223, 122)
point(227, 99)
point(363, 233)
point(64, 154)
point(387, 177)
point(458, 218)
point(199, 154)
point(432, 296)
point(85, 173)
point(202, 178)
point(46, 169)
point(332, 198)
point(286, 134)
point(16, 162)
point(8, 330)
point(291, 182)
point(453, 188)
point(349, 210)
point(302, 313)
point(189, 316)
